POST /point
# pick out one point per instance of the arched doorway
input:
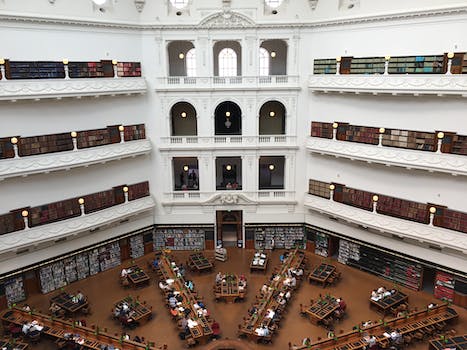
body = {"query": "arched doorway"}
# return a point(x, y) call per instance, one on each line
point(272, 118)
point(183, 119)
point(229, 228)
point(228, 119)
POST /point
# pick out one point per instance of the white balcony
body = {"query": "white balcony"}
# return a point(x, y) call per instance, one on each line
point(229, 197)
point(24, 166)
point(37, 89)
point(290, 82)
point(402, 228)
point(390, 156)
point(403, 84)
point(19, 240)
point(186, 143)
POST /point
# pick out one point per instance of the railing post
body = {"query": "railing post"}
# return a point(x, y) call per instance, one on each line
point(114, 62)
point(14, 141)
point(125, 193)
point(331, 192)
point(450, 57)
point(380, 136)
point(375, 202)
point(338, 65)
point(121, 128)
point(65, 67)
point(73, 139)
point(81, 206)
point(432, 215)
point(25, 214)
point(440, 137)
point(334, 130)
point(386, 65)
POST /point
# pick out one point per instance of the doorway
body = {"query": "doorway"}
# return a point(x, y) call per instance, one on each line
point(229, 228)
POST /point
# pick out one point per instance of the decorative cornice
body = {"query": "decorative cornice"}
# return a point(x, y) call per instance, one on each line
point(377, 18)
point(403, 228)
point(61, 229)
point(397, 84)
point(406, 158)
point(139, 4)
point(60, 88)
point(227, 19)
point(24, 166)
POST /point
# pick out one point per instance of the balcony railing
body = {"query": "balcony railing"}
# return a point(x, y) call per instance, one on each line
point(236, 82)
point(206, 142)
point(228, 197)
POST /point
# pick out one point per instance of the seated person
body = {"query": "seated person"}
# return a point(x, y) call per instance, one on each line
point(367, 323)
point(155, 263)
point(216, 329)
point(342, 304)
point(26, 307)
point(432, 305)
point(189, 284)
point(80, 297)
point(164, 286)
point(55, 309)
point(262, 331)
point(125, 273)
point(374, 294)
point(219, 277)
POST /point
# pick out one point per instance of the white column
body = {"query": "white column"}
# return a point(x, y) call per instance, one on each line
point(250, 50)
point(292, 54)
point(202, 54)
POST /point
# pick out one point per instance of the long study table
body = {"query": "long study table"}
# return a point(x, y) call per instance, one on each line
point(66, 302)
point(321, 309)
point(59, 329)
point(456, 342)
point(12, 344)
point(353, 340)
point(385, 304)
point(202, 332)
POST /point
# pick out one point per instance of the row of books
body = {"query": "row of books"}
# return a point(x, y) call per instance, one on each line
point(56, 69)
point(62, 210)
point(399, 138)
point(43, 144)
point(392, 206)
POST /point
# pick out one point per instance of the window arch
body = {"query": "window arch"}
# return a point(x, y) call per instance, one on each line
point(263, 61)
point(273, 3)
point(191, 63)
point(227, 63)
point(179, 4)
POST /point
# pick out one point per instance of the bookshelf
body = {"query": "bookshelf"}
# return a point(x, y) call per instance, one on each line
point(52, 277)
point(451, 219)
point(402, 208)
point(459, 63)
point(138, 190)
point(367, 65)
point(444, 286)
point(324, 66)
point(134, 132)
point(348, 250)
point(179, 238)
point(322, 244)
point(6, 148)
point(319, 188)
point(357, 198)
point(323, 130)
point(355, 133)
point(34, 70)
point(93, 257)
point(99, 69)
point(417, 64)
point(34, 145)
point(14, 290)
point(459, 145)
point(129, 69)
point(281, 237)
point(98, 137)
point(71, 273)
point(82, 265)
point(418, 140)
point(52, 212)
point(7, 223)
point(98, 201)
point(136, 246)
point(109, 256)
point(395, 269)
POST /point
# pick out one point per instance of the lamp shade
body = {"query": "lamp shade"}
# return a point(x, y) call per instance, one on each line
point(332, 187)
point(24, 213)
point(440, 135)
point(432, 210)
point(183, 114)
point(272, 114)
point(335, 125)
point(375, 198)
point(14, 140)
point(125, 189)
point(272, 167)
point(382, 130)
point(450, 54)
point(121, 128)
point(73, 134)
point(228, 167)
point(185, 168)
point(273, 54)
point(81, 201)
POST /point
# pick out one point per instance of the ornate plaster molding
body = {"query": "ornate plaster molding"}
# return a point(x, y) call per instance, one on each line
point(313, 4)
point(139, 4)
point(406, 158)
point(402, 228)
point(435, 84)
point(60, 88)
point(74, 226)
point(227, 19)
point(378, 18)
point(25, 166)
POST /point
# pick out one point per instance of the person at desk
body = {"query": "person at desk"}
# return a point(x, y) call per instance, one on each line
point(219, 277)
point(396, 337)
point(55, 309)
point(31, 328)
point(262, 331)
point(371, 341)
point(80, 297)
point(189, 284)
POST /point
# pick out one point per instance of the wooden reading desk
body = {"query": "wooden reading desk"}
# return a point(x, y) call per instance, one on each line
point(66, 302)
point(385, 304)
point(321, 273)
point(137, 310)
point(259, 262)
point(61, 329)
point(137, 277)
point(199, 262)
point(202, 332)
point(12, 344)
point(229, 290)
point(455, 342)
point(321, 309)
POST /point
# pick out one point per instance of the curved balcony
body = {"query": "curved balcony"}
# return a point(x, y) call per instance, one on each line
point(402, 228)
point(18, 240)
point(406, 158)
point(24, 166)
point(186, 143)
point(36, 89)
point(416, 85)
point(268, 82)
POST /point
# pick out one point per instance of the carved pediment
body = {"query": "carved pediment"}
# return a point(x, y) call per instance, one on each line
point(227, 19)
point(229, 199)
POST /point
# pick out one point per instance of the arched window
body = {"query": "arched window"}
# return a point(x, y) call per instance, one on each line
point(273, 3)
point(227, 63)
point(179, 4)
point(263, 61)
point(191, 63)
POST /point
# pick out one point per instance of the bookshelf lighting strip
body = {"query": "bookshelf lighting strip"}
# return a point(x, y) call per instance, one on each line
point(402, 228)
point(24, 166)
point(390, 156)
